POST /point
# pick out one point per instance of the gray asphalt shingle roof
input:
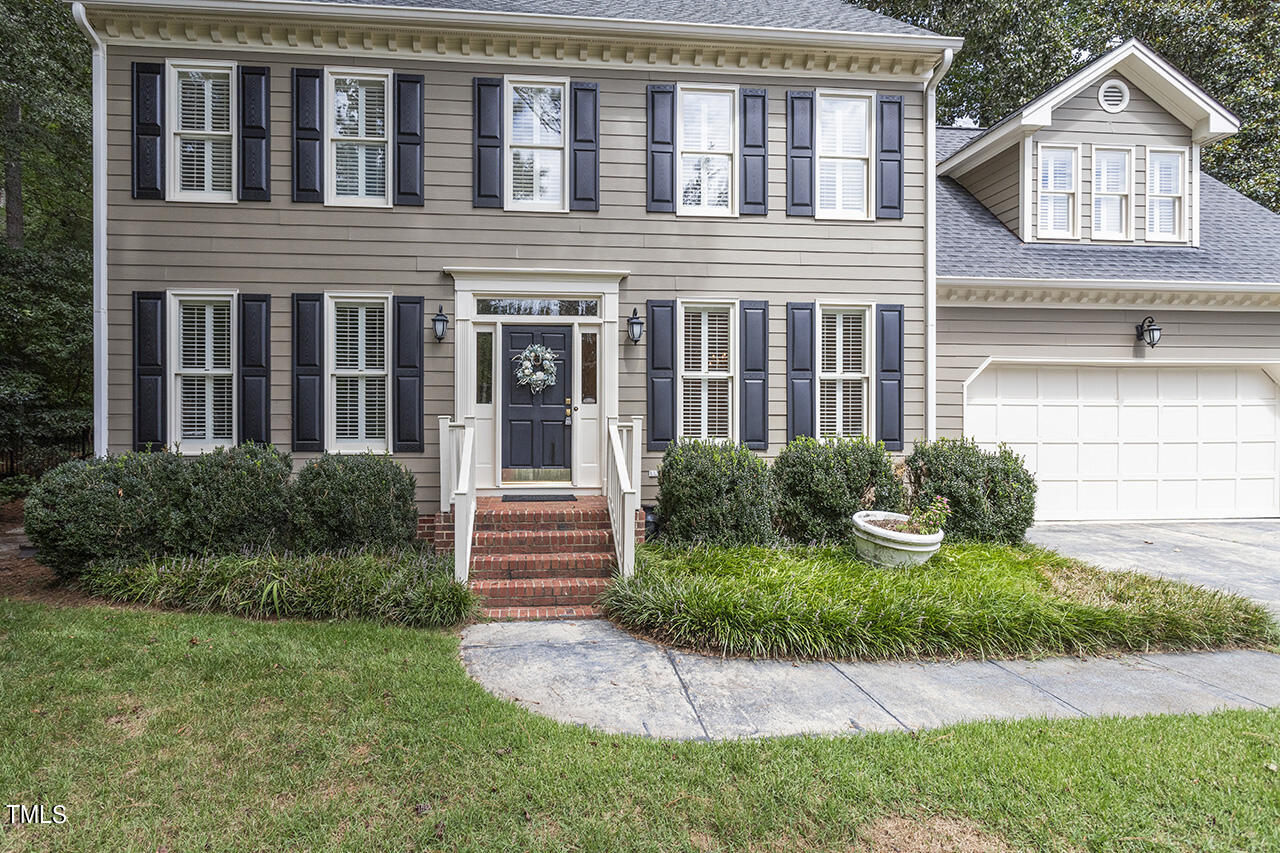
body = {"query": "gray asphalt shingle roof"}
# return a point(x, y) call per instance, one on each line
point(830, 15)
point(1239, 240)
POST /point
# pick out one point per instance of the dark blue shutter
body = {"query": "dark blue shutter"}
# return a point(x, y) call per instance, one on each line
point(408, 155)
point(889, 157)
point(148, 370)
point(755, 152)
point(406, 374)
point(308, 371)
point(801, 381)
point(148, 130)
point(487, 188)
point(754, 410)
point(661, 379)
point(584, 146)
point(255, 368)
point(308, 133)
point(661, 105)
point(255, 133)
point(889, 376)
point(800, 153)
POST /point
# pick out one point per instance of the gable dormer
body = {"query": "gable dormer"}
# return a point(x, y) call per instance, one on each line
point(1110, 156)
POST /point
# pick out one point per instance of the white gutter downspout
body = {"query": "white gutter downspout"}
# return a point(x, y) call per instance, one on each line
point(930, 246)
point(99, 230)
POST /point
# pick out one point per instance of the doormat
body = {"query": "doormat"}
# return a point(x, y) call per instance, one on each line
point(510, 499)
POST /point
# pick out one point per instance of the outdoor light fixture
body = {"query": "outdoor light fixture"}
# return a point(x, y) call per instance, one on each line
point(439, 323)
point(1148, 332)
point(635, 326)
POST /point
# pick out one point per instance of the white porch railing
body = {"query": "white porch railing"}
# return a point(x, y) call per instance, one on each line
point(458, 487)
point(622, 488)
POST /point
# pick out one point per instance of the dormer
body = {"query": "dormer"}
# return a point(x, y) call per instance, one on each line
point(1109, 156)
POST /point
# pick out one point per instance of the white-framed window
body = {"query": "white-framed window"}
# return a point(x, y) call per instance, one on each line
point(359, 399)
point(1059, 180)
point(1112, 193)
point(707, 150)
point(843, 174)
point(358, 150)
point(708, 365)
point(536, 142)
point(1166, 193)
point(844, 376)
point(201, 110)
point(202, 347)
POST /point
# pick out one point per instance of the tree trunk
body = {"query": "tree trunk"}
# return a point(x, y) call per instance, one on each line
point(12, 176)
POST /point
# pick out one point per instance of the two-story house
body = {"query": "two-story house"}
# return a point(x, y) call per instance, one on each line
point(523, 246)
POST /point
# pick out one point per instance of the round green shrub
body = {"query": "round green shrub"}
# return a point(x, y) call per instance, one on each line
point(356, 500)
point(715, 493)
point(821, 484)
point(239, 499)
point(991, 493)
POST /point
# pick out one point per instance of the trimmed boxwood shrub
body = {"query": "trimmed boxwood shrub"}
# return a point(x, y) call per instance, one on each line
point(821, 484)
point(239, 498)
point(356, 500)
point(714, 492)
point(992, 495)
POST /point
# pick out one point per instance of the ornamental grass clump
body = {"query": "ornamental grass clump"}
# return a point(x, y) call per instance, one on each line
point(820, 484)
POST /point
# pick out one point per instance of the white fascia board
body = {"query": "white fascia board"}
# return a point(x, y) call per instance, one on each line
point(1113, 284)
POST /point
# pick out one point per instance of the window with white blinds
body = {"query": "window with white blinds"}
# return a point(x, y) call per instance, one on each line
point(844, 155)
point(359, 376)
point(1112, 193)
point(1165, 194)
point(359, 149)
point(202, 132)
point(536, 144)
point(706, 372)
point(1058, 184)
point(203, 385)
point(843, 378)
point(706, 156)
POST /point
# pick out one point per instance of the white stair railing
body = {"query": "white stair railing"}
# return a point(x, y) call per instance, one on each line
point(458, 487)
point(622, 489)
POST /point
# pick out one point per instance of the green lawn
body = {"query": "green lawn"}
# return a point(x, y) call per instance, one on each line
point(204, 732)
point(969, 600)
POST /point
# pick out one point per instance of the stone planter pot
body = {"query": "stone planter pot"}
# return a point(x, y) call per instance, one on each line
point(892, 548)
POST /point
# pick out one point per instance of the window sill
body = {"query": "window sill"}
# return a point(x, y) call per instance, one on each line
point(343, 448)
point(707, 214)
point(515, 207)
point(192, 448)
point(358, 203)
point(200, 198)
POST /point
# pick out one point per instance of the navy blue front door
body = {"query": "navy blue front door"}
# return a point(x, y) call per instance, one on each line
point(535, 428)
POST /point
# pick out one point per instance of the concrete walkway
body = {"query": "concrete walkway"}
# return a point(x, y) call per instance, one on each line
point(594, 674)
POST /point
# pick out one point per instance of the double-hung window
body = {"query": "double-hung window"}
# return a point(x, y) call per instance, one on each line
point(358, 149)
point(707, 150)
point(1166, 202)
point(1112, 193)
point(358, 377)
point(707, 371)
point(202, 388)
point(1058, 186)
point(844, 155)
point(201, 104)
point(536, 144)
point(844, 383)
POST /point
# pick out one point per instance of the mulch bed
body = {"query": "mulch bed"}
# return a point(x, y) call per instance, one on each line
point(22, 577)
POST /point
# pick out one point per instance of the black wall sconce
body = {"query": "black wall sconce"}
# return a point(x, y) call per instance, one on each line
point(1148, 332)
point(635, 326)
point(440, 323)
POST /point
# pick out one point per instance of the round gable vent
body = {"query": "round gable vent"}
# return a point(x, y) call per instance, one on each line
point(1113, 95)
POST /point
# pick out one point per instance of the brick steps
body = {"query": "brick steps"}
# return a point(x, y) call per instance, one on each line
point(597, 541)
point(525, 614)
point(515, 566)
point(541, 592)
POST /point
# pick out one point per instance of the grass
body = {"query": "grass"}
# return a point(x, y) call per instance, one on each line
point(969, 600)
point(183, 731)
point(409, 586)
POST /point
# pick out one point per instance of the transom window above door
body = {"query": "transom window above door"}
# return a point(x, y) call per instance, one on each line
point(844, 378)
point(536, 144)
point(358, 376)
point(706, 372)
point(358, 151)
point(202, 134)
point(203, 379)
point(706, 150)
point(844, 155)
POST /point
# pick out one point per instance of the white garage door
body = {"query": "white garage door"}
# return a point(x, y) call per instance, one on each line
point(1136, 442)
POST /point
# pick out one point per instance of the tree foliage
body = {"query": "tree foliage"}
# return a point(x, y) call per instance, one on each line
point(1015, 50)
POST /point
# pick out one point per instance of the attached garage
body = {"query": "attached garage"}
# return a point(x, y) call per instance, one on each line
point(1136, 442)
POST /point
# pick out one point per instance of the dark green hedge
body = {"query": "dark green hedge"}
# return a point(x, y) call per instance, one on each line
point(991, 493)
point(821, 484)
point(714, 492)
point(350, 500)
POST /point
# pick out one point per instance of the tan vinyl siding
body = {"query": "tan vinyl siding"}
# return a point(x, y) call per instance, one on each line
point(281, 247)
point(995, 183)
point(968, 336)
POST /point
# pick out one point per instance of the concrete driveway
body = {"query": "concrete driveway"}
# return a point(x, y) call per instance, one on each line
point(1237, 556)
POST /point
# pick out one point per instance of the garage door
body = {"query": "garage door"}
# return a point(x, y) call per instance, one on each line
point(1136, 442)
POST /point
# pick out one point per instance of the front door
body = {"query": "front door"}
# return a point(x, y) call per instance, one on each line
point(536, 430)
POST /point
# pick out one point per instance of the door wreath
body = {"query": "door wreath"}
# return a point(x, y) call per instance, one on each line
point(536, 367)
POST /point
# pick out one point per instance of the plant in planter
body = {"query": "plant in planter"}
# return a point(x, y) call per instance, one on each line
point(894, 539)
